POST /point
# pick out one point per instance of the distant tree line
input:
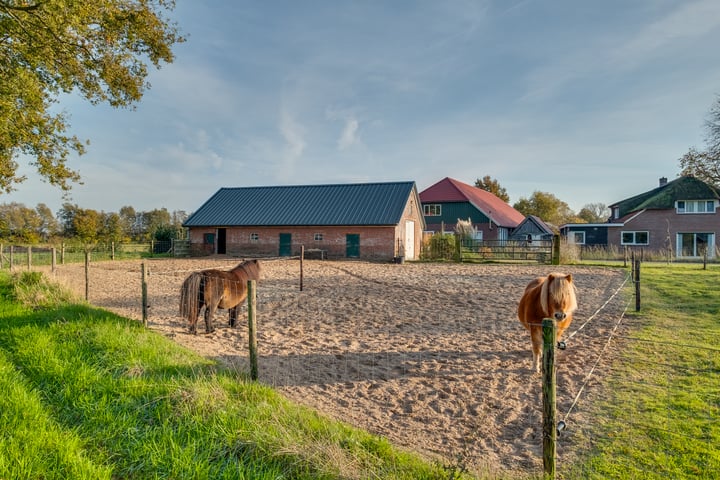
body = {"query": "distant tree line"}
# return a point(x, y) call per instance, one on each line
point(21, 224)
point(547, 206)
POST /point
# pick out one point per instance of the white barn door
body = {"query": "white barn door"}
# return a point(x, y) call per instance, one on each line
point(410, 240)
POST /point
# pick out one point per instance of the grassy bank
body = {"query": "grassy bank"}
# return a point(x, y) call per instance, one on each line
point(658, 416)
point(88, 394)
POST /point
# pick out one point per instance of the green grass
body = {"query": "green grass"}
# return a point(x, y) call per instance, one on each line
point(659, 415)
point(88, 394)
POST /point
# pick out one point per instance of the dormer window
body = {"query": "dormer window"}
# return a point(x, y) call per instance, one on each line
point(695, 206)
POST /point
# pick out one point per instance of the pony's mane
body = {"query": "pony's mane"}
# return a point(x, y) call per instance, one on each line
point(250, 268)
point(561, 289)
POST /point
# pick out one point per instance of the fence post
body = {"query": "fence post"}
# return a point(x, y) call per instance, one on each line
point(302, 259)
point(53, 261)
point(636, 278)
point(252, 328)
point(29, 255)
point(548, 396)
point(87, 275)
point(144, 295)
point(2, 256)
point(62, 253)
point(112, 250)
point(556, 250)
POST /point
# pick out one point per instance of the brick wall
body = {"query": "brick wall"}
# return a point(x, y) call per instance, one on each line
point(663, 227)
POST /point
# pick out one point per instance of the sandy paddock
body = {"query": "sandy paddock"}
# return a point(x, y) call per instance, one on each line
point(430, 356)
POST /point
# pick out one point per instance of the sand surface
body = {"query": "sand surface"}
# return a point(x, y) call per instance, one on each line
point(431, 356)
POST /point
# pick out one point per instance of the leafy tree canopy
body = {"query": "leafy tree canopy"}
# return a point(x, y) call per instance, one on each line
point(547, 207)
point(594, 213)
point(493, 186)
point(100, 49)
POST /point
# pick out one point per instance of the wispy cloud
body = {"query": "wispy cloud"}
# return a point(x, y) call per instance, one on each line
point(349, 134)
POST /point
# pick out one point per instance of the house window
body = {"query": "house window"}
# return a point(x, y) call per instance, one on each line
point(432, 210)
point(209, 238)
point(616, 212)
point(635, 238)
point(577, 238)
point(695, 206)
point(254, 237)
point(318, 237)
point(695, 244)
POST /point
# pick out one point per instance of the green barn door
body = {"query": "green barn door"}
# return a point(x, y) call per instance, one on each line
point(352, 245)
point(285, 244)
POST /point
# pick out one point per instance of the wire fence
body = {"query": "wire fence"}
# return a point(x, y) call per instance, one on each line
point(432, 356)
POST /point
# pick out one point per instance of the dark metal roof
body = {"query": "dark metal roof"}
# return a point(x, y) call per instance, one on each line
point(298, 205)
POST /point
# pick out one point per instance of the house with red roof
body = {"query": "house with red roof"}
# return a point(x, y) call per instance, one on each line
point(450, 200)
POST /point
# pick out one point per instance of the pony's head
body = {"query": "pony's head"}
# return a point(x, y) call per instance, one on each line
point(557, 297)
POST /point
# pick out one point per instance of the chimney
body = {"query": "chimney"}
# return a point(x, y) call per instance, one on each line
point(663, 181)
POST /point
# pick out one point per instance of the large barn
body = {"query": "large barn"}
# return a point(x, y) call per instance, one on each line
point(381, 221)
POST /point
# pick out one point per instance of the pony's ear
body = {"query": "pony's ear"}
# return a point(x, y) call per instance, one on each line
point(569, 277)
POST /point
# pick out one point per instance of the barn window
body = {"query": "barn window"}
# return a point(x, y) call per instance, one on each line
point(254, 237)
point(432, 210)
point(635, 238)
point(318, 237)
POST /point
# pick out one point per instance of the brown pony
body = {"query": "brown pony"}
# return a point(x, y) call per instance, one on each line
point(547, 297)
point(215, 289)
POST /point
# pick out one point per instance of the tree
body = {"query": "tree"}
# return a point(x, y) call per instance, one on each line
point(704, 166)
point(100, 49)
point(493, 186)
point(20, 223)
point(49, 226)
point(88, 225)
point(547, 207)
point(712, 126)
point(594, 213)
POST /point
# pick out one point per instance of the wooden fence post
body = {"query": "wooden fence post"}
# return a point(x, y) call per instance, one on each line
point(87, 275)
point(2, 255)
point(144, 295)
point(549, 397)
point(556, 250)
point(636, 278)
point(53, 260)
point(252, 328)
point(29, 255)
point(12, 259)
point(302, 258)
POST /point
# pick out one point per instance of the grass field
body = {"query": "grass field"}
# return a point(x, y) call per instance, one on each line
point(661, 406)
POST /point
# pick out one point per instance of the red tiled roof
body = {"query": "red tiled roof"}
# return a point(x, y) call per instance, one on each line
point(451, 190)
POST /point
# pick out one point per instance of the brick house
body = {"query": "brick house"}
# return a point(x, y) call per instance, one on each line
point(449, 200)
point(366, 220)
point(678, 216)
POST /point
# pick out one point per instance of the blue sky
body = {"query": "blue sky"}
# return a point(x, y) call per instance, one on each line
point(589, 101)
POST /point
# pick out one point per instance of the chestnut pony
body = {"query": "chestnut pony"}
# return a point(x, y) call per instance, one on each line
point(215, 289)
point(547, 297)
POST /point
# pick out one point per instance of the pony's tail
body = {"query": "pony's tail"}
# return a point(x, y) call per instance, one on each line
point(190, 297)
